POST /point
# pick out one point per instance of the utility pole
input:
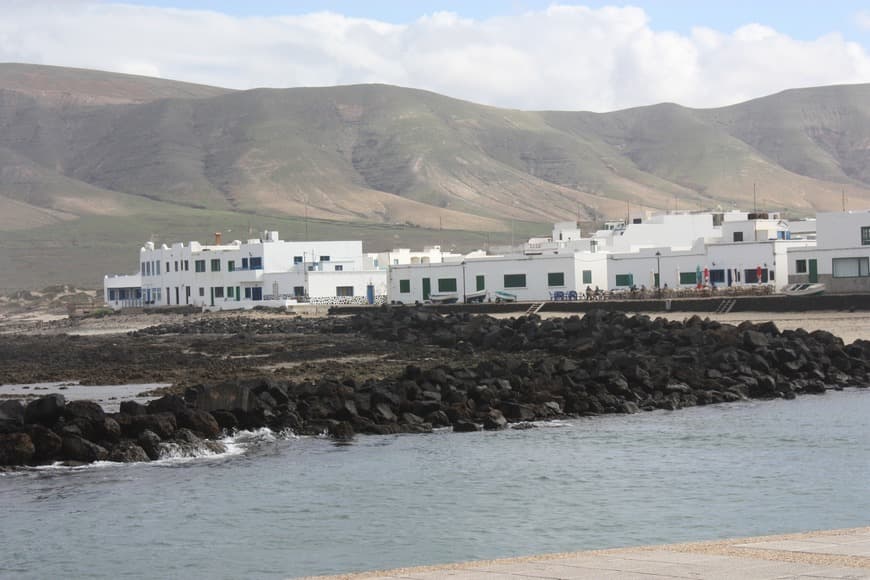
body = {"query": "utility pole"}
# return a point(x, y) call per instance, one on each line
point(754, 198)
point(844, 200)
point(659, 273)
point(306, 218)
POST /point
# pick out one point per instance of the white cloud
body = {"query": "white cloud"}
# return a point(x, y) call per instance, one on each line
point(862, 19)
point(564, 57)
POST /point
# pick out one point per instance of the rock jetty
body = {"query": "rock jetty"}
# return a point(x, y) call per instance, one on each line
point(524, 369)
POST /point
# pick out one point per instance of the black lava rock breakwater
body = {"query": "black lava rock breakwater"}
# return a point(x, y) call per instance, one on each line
point(509, 371)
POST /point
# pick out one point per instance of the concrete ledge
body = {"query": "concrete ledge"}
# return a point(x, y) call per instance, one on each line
point(771, 303)
point(823, 554)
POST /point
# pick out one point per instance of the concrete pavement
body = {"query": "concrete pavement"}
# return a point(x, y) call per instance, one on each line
point(841, 554)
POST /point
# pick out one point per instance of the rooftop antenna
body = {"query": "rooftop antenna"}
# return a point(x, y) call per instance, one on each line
point(844, 200)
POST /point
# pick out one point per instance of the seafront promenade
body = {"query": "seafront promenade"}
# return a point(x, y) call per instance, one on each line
point(842, 554)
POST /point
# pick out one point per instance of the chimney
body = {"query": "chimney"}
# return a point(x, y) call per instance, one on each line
point(217, 238)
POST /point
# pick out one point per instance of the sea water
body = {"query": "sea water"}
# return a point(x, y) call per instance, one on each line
point(283, 506)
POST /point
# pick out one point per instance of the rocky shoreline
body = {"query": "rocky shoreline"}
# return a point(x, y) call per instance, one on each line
point(493, 372)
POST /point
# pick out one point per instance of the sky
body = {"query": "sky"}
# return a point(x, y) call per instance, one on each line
point(527, 54)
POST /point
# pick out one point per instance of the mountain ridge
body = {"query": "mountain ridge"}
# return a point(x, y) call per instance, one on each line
point(84, 149)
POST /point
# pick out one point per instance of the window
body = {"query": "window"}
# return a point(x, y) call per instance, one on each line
point(216, 265)
point(738, 236)
point(143, 268)
point(514, 280)
point(339, 268)
point(717, 276)
point(344, 290)
point(186, 266)
point(800, 266)
point(256, 263)
point(112, 294)
point(257, 293)
point(480, 282)
point(230, 292)
point(244, 263)
point(202, 291)
point(624, 279)
point(176, 265)
point(297, 259)
point(199, 265)
point(167, 268)
point(865, 236)
point(231, 265)
point(248, 293)
point(556, 279)
point(218, 291)
point(147, 268)
point(688, 277)
point(157, 266)
point(850, 267)
point(404, 286)
point(587, 276)
point(447, 284)
point(750, 276)
point(324, 258)
point(299, 290)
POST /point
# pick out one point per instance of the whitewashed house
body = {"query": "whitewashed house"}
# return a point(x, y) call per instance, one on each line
point(840, 257)
point(266, 271)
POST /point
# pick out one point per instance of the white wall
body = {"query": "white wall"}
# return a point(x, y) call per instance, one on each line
point(279, 256)
point(840, 230)
point(596, 264)
point(323, 284)
point(493, 270)
point(678, 231)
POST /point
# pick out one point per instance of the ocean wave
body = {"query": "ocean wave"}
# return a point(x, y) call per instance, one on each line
point(175, 453)
point(232, 444)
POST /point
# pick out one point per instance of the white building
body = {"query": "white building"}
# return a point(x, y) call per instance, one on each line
point(840, 258)
point(266, 271)
point(678, 250)
point(429, 255)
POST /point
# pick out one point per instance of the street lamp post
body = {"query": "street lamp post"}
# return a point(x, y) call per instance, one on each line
point(659, 273)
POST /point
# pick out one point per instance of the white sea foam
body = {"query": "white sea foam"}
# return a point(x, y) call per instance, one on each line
point(172, 453)
point(236, 443)
point(60, 466)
